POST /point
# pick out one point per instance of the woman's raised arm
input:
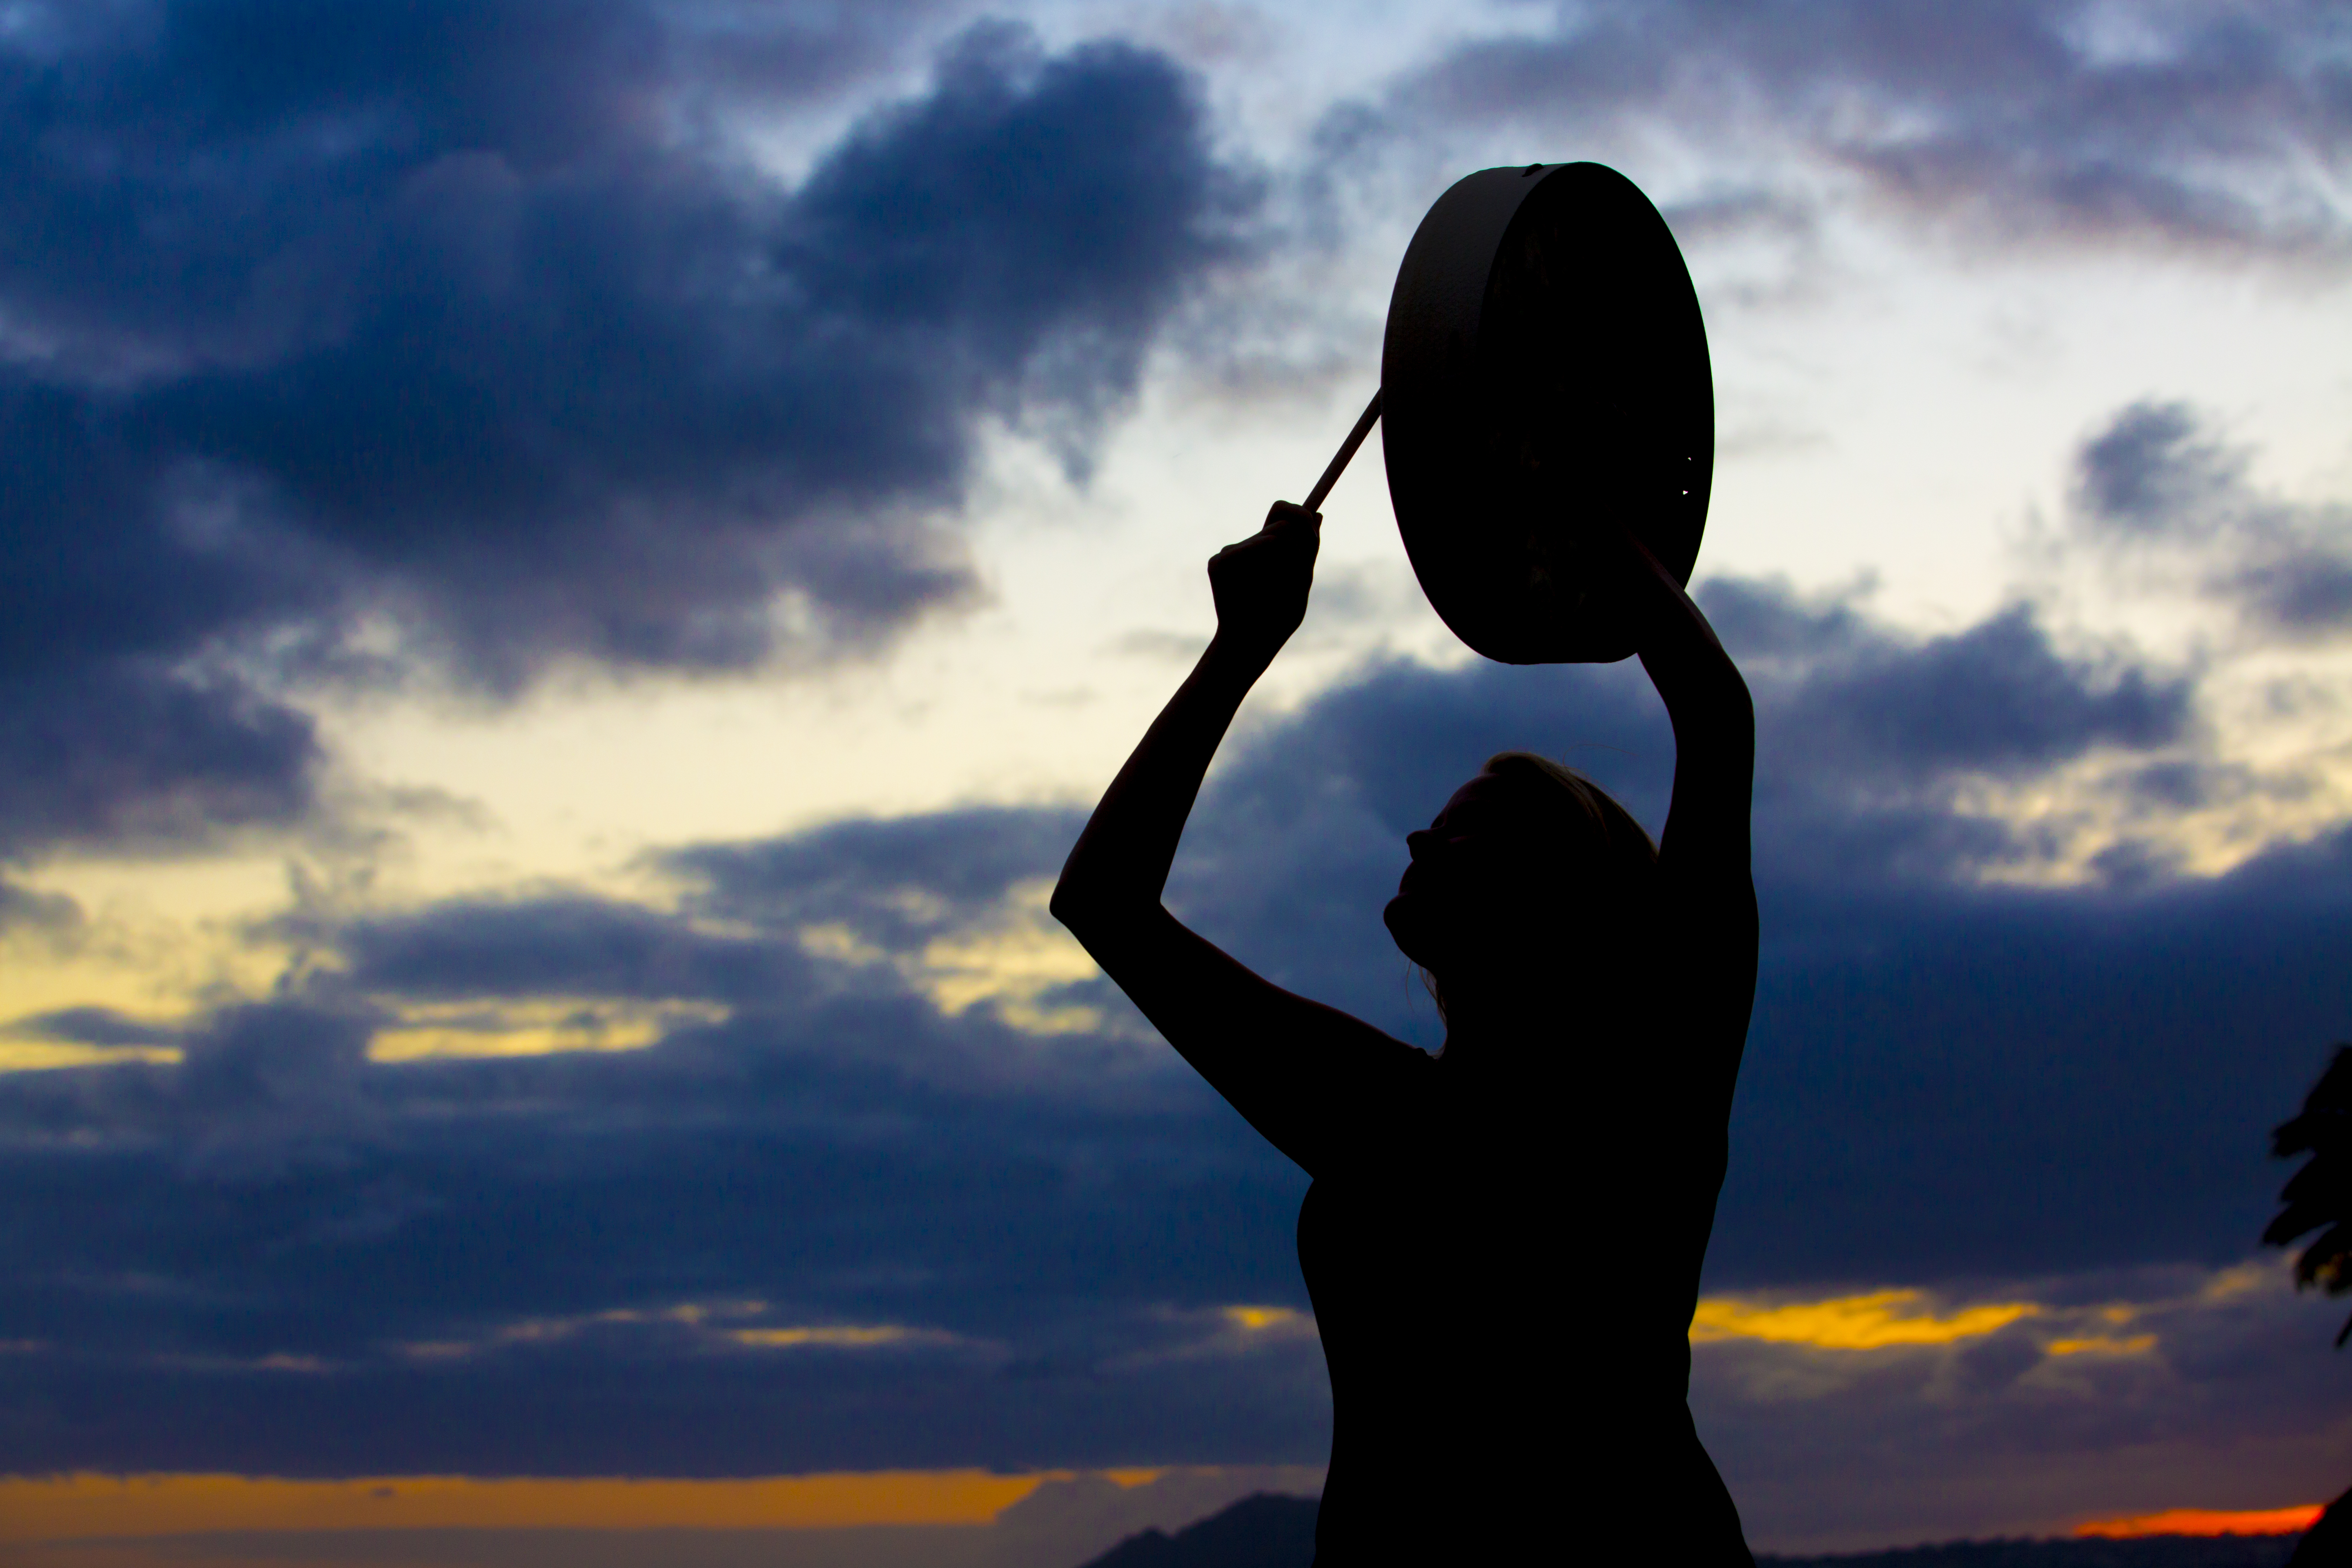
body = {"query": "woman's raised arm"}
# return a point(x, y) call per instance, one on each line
point(1707, 702)
point(1120, 864)
point(1709, 919)
point(1283, 1062)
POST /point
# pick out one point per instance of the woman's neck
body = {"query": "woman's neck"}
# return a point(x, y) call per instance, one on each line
point(1488, 1024)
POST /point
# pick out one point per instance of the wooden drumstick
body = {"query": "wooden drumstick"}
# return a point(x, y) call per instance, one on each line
point(1347, 450)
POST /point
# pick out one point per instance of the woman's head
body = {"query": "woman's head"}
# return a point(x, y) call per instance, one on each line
point(1528, 859)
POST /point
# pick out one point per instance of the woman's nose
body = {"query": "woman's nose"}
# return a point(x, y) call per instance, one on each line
point(1416, 841)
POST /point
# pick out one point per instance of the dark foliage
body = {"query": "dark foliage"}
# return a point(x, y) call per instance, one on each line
point(2319, 1196)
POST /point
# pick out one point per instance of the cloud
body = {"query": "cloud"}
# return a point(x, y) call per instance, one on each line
point(1877, 750)
point(895, 882)
point(1932, 1439)
point(1871, 1321)
point(1949, 1072)
point(1997, 698)
point(2162, 493)
point(30, 910)
point(558, 945)
point(133, 758)
point(2203, 127)
point(831, 1189)
point(91, 1026)
point(845, 1104)
point(467, 339)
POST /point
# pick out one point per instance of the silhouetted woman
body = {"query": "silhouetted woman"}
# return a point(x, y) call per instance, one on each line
point(1502, 1242)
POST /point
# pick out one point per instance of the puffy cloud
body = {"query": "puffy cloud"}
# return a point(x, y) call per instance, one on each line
point(129, 756)
point(467, 337)
point(1995, 698)
point(2163, 493)
point(2210, 126)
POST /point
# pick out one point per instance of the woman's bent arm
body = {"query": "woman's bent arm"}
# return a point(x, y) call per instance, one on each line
point(1283, 1062)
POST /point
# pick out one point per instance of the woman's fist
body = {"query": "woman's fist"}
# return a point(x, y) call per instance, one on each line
point(1261, 584)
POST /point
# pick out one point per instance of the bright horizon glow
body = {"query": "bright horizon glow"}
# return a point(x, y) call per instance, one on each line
point(35, 1507)
point(2206, 1521)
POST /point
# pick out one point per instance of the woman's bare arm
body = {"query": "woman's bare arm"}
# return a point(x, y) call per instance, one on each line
point(1707, 702)
point(1286, 1063)
point(1708, 922)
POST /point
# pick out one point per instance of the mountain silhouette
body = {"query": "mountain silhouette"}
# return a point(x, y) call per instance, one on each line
point(1270, 1532)
point(2149, 1552)
point(1262, 1531)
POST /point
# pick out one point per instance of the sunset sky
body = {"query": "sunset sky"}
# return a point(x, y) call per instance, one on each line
point(573, 566)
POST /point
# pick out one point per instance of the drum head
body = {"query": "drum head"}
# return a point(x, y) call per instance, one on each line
point(1545, 372)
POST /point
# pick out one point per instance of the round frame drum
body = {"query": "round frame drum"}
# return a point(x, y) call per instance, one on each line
point(1545, 376)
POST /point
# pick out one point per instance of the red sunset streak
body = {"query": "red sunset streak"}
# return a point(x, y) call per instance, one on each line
point(2206, 1521)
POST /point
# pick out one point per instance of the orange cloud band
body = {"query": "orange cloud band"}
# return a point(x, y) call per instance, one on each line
point(38, 1507)
point(1875, 1321)
point(2206, 1521)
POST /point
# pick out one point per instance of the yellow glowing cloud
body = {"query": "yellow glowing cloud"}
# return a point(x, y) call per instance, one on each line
point(154, 938)
point(1873, 1322)
point(1267, 1319)
point(37, 1055)
point(1011, 964)
point(840, 1336)
point(2102, 1344)
point(837, 943)
point(701, 1319)
point(541, 1026)
point(38, 978)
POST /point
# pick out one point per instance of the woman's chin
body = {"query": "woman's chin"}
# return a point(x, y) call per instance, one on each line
point(1402, 919)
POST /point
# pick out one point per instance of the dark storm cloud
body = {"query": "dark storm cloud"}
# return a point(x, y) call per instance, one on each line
point(892, 886)
point(2160, 488)
point(1997, 698)
point(2204, 126)
point(127, 756)
point(104, 740)
point(468, 319)
point(893, 883)
point(476, 1263)
point(90, 1026)
point(559, 946)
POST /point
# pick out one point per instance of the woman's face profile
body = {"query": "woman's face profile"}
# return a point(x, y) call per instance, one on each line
point(1466, 884)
